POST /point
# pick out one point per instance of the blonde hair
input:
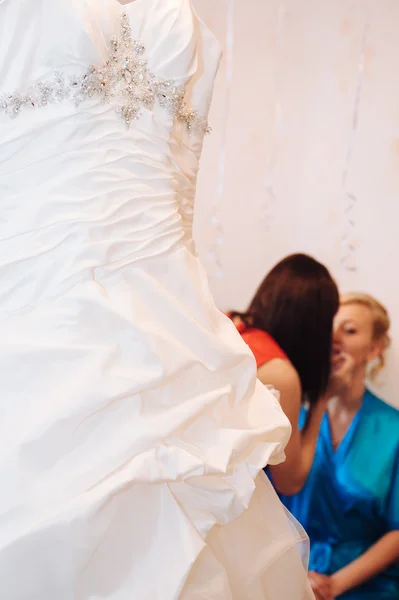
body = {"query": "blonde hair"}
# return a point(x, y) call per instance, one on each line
point(381, 325)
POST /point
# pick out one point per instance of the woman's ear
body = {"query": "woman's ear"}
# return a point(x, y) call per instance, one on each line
point(376, 350)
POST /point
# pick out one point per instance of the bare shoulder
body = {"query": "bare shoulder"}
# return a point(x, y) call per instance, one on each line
point(282, 375)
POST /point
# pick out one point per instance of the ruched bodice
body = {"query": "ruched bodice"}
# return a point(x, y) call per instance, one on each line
point(76, 184)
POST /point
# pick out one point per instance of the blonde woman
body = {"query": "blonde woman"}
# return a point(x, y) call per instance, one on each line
point(350, 503)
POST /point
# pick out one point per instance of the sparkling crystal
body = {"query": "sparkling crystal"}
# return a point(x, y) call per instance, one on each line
point(127, 76)
point(124, 79)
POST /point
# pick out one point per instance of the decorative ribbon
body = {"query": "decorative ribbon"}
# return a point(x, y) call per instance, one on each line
point(268, 205)
point(348, 259)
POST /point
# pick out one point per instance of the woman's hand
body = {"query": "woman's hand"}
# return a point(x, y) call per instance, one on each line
point(321, 586)
point(374, 561)
point(342, 372)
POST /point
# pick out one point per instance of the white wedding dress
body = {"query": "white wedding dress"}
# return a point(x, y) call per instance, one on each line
point(132, 428)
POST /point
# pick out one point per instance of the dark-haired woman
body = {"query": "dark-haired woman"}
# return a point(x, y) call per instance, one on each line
point(288, 326)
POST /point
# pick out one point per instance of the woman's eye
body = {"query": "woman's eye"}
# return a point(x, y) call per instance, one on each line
point(350, 330)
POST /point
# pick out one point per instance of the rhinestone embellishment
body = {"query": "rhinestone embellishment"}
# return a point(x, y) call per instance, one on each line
point(124, 80)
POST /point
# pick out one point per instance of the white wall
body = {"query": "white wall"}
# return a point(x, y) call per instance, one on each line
point(316, 74)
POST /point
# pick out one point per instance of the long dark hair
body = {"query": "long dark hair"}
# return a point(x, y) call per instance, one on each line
point(295, 304)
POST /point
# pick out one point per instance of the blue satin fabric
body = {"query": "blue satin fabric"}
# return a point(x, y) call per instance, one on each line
point(351, 498)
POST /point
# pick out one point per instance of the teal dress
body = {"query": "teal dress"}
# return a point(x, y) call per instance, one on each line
point(351, 498)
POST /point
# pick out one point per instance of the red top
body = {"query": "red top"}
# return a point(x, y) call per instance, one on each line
point(263, 346)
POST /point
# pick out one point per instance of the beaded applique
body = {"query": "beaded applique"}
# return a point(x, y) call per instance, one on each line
point(124, 80)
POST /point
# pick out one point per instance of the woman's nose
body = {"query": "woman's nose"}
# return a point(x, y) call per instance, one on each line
point(336, 335)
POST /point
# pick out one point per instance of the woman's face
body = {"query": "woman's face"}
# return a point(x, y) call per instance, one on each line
point(353, 334)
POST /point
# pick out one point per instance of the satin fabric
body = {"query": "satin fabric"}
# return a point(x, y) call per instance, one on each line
point(132, 428)
point(351, 498)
